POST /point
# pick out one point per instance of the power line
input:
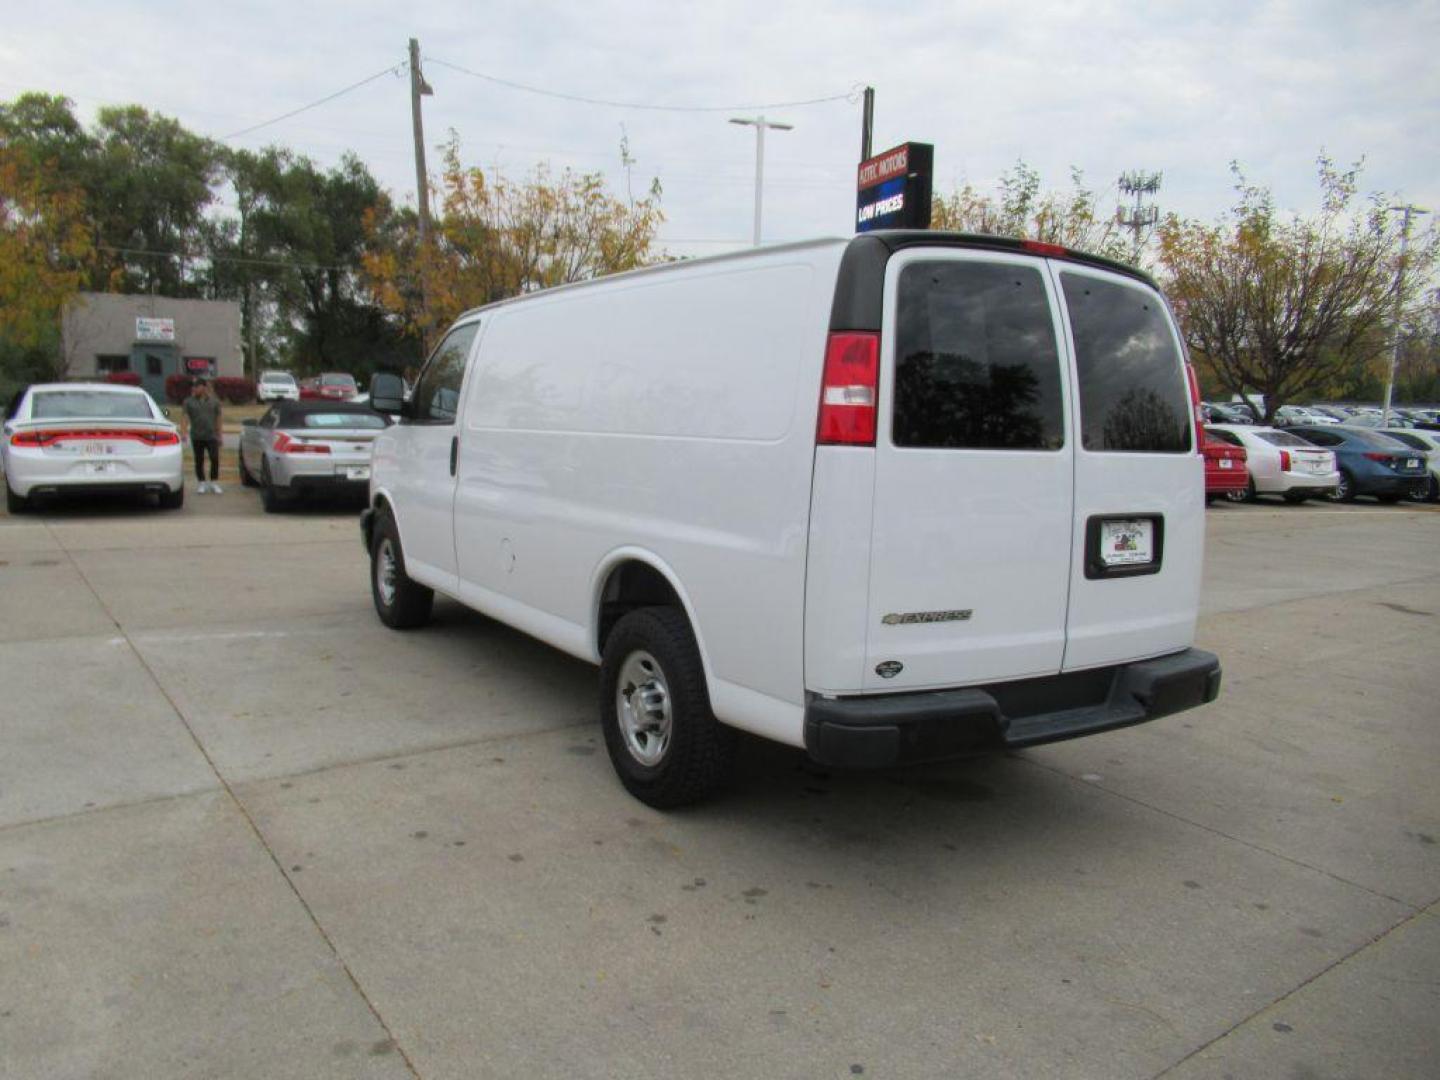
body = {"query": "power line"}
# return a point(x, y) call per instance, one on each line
point(849, 95)
point(393, 69)
point(205, 256)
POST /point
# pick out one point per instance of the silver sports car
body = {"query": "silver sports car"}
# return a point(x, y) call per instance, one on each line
point(308, 447)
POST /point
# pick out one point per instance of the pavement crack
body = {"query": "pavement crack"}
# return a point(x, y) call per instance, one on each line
point(1375, 940)
point(1252, 845)
point(245, 815)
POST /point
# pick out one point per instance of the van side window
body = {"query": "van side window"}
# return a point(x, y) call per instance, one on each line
point(436, 399)
point(1133, 395)
point(976, 363)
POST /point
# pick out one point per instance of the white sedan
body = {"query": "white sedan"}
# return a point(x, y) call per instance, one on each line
point(1280, 463)
point(85, 438)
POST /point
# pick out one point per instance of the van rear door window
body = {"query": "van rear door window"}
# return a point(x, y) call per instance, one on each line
point(1133, 396)
point(976, 363)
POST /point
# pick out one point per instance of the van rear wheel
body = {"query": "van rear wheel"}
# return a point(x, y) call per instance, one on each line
point(401, 603)
point(663, 739)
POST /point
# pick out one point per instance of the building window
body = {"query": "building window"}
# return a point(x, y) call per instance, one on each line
point(154, 365)
point(106, 364)
point(200, 366)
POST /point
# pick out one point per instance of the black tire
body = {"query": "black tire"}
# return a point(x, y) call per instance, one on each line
point(271, 498)
point(15, 504)
point(173, 500)
point(408, 603)
point(696, 757)
point(1345, 489)
point(246, 479)
point(1433, 490)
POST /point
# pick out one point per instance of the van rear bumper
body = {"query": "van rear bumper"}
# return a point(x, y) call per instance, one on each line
point(899, 729)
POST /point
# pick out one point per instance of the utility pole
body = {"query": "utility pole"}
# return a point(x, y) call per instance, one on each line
point(1140, 217)
point(1407, 210)
point(867, 123)
point(418, 87)
point(759, 123)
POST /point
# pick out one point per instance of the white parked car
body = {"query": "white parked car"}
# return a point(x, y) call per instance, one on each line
point(1281, 463)
point(1428, 443)
point(83, 438)
point(894, 498)
point(276, 386)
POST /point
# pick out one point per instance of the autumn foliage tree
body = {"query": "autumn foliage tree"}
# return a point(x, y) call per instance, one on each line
point(1023, 209)
point(495, 238)
point(1286, 306)
point(46, 251)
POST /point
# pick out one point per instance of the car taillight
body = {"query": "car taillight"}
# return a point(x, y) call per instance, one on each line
point(284, 444)
point(849, 389)
point(49, 438)
point(1284, 460)
point(1384, 459)
point(1196, 407)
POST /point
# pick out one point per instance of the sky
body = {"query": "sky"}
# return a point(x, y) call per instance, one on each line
point(1180, 88)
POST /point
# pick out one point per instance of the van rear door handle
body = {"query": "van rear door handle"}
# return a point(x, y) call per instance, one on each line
point(454, 452)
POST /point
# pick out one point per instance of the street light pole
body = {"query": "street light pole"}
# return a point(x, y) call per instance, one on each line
point(759, 123)
point(1408, 211)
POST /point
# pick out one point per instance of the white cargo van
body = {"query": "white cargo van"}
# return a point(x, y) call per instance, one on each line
point(894, 498)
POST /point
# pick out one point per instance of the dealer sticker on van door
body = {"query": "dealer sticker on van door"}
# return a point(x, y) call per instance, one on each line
point(1127, 543)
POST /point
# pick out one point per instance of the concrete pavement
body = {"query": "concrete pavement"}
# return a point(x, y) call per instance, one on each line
point(246, 831)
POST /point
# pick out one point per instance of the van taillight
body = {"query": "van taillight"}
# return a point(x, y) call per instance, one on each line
point(1039, 247)
point(1196, 407)
point(849, 390)
point(1284, 460)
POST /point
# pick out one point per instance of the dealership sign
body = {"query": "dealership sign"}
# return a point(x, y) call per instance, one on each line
point(154, 329)
point(893, 189)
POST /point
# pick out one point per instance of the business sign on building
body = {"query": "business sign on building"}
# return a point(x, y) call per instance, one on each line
point(893, 189)
point(147, 329)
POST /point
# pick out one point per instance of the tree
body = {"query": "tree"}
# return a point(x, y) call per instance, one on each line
point(45, 252)
point(496, 238)
point(1022, 210)
point(1285, 307)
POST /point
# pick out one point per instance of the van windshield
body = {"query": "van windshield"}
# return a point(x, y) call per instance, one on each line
point(1133, 396)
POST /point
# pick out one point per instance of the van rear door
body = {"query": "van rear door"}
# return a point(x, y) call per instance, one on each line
point(1139, 482)
point(974, 470)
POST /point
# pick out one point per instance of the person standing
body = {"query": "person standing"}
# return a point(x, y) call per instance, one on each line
point(202, 421)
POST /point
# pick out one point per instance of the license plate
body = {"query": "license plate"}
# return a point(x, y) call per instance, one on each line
point(101, 468)
point(357, 472)
point(1127, 543)
point(1226, 463)
point(1412, 463)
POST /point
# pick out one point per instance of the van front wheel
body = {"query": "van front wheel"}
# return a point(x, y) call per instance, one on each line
point(400, 602)
point(663, 740)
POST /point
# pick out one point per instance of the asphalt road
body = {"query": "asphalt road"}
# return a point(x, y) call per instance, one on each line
point(245, 831)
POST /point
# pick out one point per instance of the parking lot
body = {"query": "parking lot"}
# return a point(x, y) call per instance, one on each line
point(245, 831)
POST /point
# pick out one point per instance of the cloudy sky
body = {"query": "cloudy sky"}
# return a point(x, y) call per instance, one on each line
point(1181, 88)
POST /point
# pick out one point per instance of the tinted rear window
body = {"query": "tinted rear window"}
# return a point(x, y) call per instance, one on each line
point(337, 380)
point(1282, 438)
point(1407, 439)
point(89, 405)
point(976, 364)
point(357, 421)
point(1133, 395)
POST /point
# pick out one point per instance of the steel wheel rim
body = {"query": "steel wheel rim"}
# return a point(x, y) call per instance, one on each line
point(386, 572)
point(642, 704)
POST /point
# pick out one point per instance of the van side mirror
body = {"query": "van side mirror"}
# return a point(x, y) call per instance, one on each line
point(387, 393)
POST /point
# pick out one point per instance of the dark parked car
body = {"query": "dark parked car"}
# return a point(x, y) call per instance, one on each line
point(1227, 414)
point(1371, 463)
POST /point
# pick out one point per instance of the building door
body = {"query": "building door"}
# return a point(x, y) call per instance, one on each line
point(154, 363)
